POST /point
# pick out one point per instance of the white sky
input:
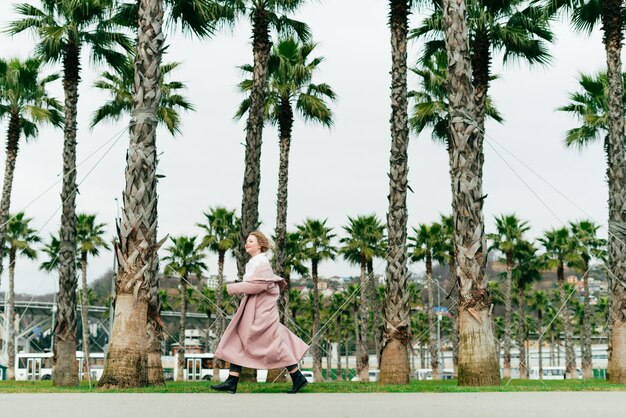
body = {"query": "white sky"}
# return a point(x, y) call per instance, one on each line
point(333, 173)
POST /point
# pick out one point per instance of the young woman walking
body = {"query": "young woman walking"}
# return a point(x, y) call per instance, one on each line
point(255, 338)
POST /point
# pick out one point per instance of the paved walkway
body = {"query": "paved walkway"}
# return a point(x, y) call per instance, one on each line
point(309, 405)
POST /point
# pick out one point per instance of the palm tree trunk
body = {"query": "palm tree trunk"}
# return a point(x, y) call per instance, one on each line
point(329, 360)
point(523, 367)
point(363, 363)
point(154, 327)
point(478, 360)
point(12, 147)
point(285, 127)
point(586, 364)
point(11, 316)
point(374, 308)
point(507, 315)
point(570, 356)
point(126, 364)
point(65, 372)
point(85, 315)
point(539, 341)
point(181, 330)
point(261, 46)
point(317, 355)
point(347, 355)
point(455, 340)
point(394, 362)
point(219, 316)
point(612, 26)
point(357, 334)
point(481, 62)
point(339, 371)
point(432, 333)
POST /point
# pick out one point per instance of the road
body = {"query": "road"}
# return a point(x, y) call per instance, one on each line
point(311, 405)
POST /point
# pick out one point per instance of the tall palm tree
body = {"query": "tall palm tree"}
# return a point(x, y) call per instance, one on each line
point(559, 251)
point(428, 245)
point(526, 271)
point(585, 16)
point(265, 16)
point(64, 29)
point(19, 243)
point(364, 235)
point(89, 239)
point(184, 260)
point(394, 360)
point(289, 87)
point(589, 247)
point(25, 102)
point(510, 231)
point(148, 18)
point(119, 86)
point(221, 231)
point(317, 242)
point(512, 27)
point(478, 360)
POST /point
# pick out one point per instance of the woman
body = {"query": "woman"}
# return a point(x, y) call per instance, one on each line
point(255, 338)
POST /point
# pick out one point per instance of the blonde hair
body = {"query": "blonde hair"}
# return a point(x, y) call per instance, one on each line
point(264, 242)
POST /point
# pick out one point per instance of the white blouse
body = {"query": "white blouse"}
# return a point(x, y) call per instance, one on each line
point(254, 262)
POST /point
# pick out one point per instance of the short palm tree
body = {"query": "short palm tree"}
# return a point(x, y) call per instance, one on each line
point(266, 16)
point(428, 245)
point(89, 239)
point(19, 243)
point(295, 258)
point(119, 86)
point(289, 90)
point(364, 235)
point(589, 247)
point(510, 231)
point(25, 102)
point(221, 231)
point(526, 271)
point(586, 15)
point(538, 302)
point(317, 242)
point(559, 251)
point(184, 259)
point(65, 29)
point(337, 306)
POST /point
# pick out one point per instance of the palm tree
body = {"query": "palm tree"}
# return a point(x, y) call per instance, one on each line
point(119, 85)
point(288, 87)
point(526, 271)
point(140, 212)
point(90, 242)
point(364, 236)
point(25, 102)
point(184, 260)
point(510, 231)
point(337, 306)
point(511, 26)
point(559, 250)
point(539, 302)
point(586, 15)
point(265, 15)
point(589, 247)
point(316, 240)
point(221, 229)
point(19, 243)
point(478, 360)
point(295, 257)
point(394, 360)
point(65, 28)
point(426, 245)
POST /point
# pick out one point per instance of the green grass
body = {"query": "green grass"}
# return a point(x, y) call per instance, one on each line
point(331, 387)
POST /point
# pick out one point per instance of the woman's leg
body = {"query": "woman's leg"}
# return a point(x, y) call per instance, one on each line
point(235, 370)
point(298, 379)
point(230, 384)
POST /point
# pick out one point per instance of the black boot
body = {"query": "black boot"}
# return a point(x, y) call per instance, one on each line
point(229, 385)
point(299, 381)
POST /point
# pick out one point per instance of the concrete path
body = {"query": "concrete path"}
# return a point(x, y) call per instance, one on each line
point(374, 405)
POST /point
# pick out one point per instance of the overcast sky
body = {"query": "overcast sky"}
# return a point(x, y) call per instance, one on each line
point(334, 173)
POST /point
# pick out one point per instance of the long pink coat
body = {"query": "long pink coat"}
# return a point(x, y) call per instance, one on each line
point(255, 338)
